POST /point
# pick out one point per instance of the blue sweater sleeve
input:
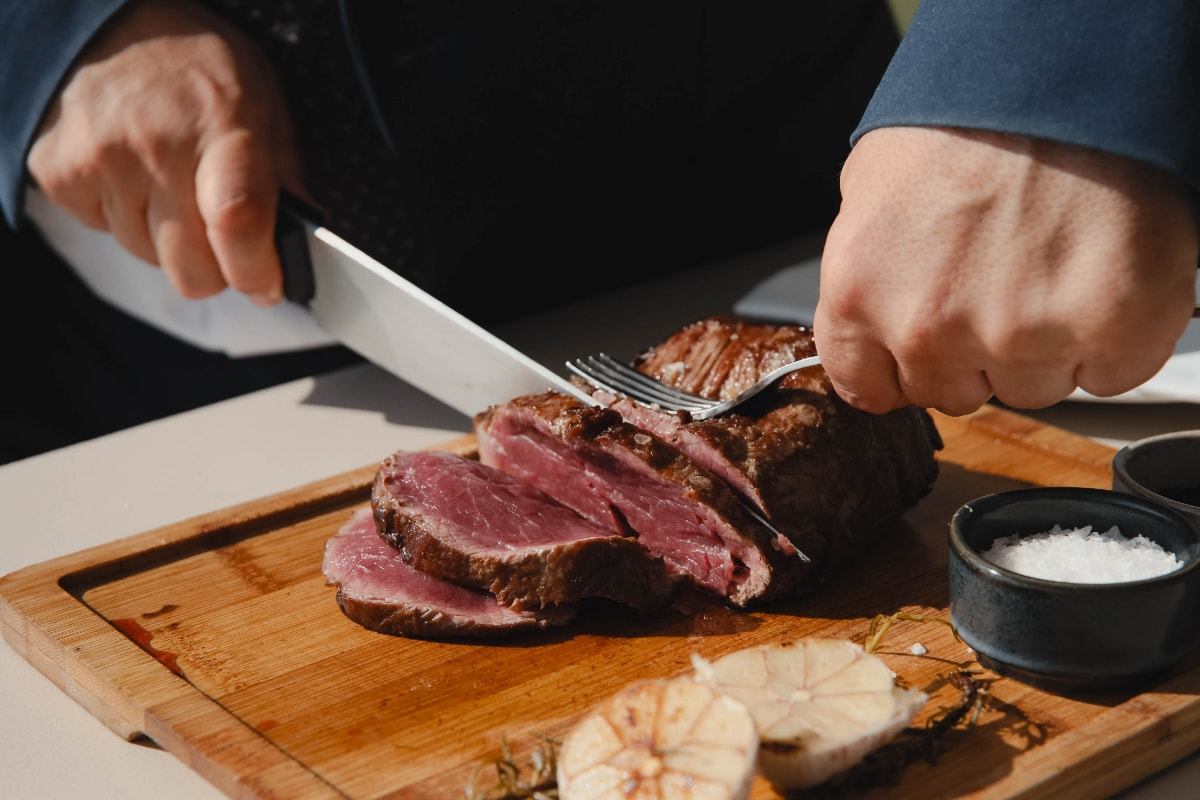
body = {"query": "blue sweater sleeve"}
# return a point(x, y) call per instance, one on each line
point(1118, 76)
point(39, 40)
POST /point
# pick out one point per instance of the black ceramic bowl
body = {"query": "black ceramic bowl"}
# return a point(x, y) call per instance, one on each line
point(1165, 469)
point(1073, 637)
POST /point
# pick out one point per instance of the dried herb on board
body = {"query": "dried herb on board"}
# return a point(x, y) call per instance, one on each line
point(881, 625)
point(540, 784)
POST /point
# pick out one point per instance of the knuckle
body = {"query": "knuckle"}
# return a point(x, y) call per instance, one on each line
point(56, 185)
point(842, 299)
point(219, 104)
point(920, 341)
point(153, 152)
point(59, 176)
point(40, 162)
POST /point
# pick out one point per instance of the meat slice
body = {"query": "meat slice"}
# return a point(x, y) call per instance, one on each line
point(623, 478)
point(824, 473)
point(379, 591)
point(466, 523)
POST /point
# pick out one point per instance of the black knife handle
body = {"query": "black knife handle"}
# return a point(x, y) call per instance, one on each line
point(292, 246)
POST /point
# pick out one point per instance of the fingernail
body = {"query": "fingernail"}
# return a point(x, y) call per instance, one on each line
point(267, 298)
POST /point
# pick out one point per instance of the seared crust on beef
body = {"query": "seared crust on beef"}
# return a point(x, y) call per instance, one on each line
point(719, 357)
point(418, 621)
point(471, 525)
point(822, 471)
point(377, 590)
point(618, 475)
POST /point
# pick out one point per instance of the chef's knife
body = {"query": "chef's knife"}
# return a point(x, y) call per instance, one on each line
point(398, 326)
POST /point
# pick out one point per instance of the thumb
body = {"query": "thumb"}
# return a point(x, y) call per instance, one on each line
point(237, 187)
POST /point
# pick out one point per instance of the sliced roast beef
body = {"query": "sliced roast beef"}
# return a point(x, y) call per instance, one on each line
point(379, 591)
point(823, 472)
point(466, 523)
point(623, 478)
point(570, 501)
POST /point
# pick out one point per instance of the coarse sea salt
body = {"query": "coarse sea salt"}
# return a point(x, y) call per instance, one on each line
point(1081, 555)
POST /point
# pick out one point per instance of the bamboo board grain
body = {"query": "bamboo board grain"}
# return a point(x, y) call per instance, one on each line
point(217, 638)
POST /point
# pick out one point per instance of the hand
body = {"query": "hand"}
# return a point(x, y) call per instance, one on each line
point(965, 265)
point(172, 134)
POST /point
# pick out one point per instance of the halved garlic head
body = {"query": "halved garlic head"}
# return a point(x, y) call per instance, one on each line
point(819, 705)
point(660, 739)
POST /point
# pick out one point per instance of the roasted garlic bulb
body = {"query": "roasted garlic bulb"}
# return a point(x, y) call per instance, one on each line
point(819, 705)
point(660, 740)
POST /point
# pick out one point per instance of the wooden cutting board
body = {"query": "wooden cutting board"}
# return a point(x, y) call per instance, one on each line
point(217, 638)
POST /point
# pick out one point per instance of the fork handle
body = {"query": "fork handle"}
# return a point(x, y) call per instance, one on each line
point(788, 369)
point(762, 383)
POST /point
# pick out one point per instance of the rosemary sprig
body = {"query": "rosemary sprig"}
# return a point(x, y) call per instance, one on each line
point(881, 624)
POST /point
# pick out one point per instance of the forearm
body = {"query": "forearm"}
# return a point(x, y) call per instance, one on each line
point(1106, 74)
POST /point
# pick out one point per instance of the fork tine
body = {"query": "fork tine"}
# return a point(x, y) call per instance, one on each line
point(630, 383)
point(614, 376)
point(588, 374)
point(619, 383)
point(646, 390)
point(655, 387)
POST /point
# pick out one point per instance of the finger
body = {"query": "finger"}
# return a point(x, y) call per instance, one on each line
point(920, 360)
point(1031, 388)
point(180, 243)
point(1110, 377)
point(1133, 343)
point(1030, 366)
point(862, 372)
point(955, 390)
point(125, 213)
point(237, 191)
point(87, 209)
point(63, 182)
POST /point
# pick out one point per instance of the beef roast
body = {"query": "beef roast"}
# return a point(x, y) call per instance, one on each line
point(624, 502)
point(471, 525)
point(623, 478)
point(823, 472)
point(379, 591)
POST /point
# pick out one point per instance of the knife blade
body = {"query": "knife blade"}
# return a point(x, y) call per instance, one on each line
point(397, 325)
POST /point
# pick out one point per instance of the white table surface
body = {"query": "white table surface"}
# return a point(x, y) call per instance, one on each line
point(280, 438)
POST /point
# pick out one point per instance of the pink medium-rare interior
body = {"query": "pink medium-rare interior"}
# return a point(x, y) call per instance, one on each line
point(613, 485)
point(368, 568)
point(474, 503)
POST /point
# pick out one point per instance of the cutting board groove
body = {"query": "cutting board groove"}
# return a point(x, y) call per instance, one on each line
point(217, 638)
